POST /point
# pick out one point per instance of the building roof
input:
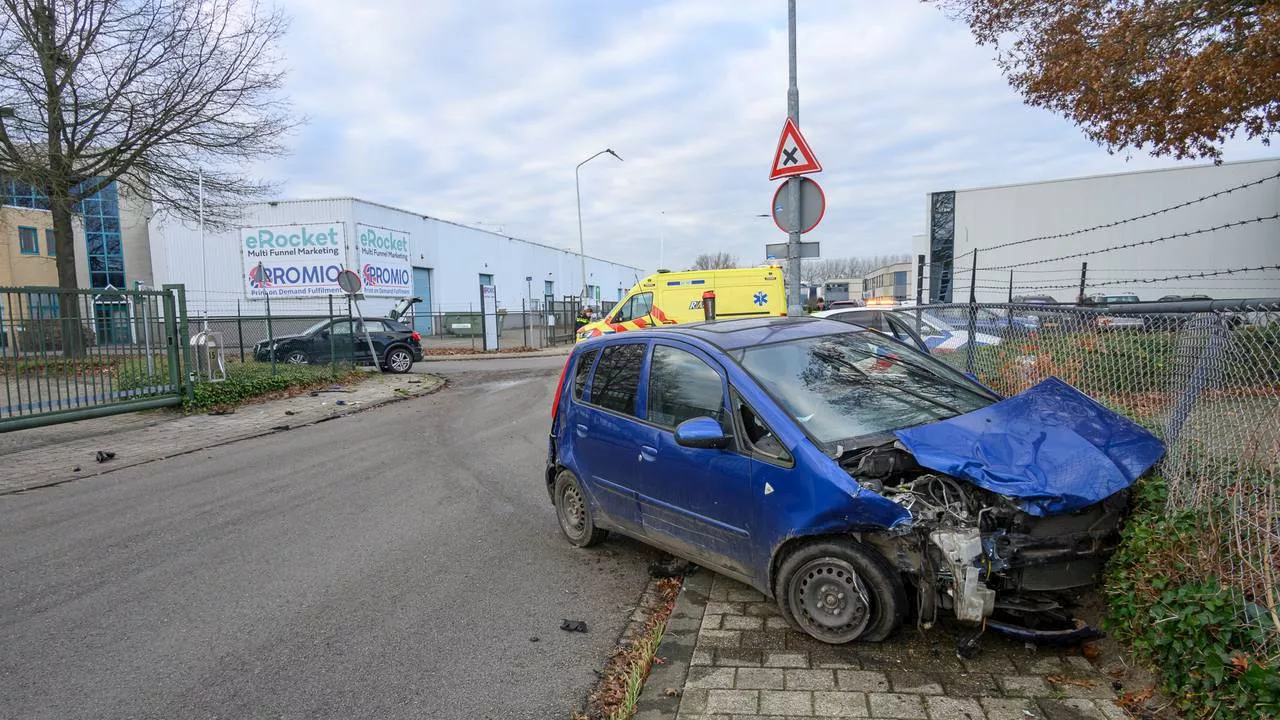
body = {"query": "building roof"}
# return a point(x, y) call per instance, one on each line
point(1174, 168)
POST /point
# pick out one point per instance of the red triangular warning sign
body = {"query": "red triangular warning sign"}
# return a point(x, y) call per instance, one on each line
point(793, 157)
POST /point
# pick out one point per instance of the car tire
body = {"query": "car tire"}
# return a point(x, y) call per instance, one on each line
point(573, 511)
point(296, 357)
point(838, 591)
point(398, 360)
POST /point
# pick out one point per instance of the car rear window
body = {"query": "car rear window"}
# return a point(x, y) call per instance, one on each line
point(582, 372)
point(617, 378)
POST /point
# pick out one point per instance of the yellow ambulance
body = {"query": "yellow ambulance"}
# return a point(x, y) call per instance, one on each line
point(671, 298)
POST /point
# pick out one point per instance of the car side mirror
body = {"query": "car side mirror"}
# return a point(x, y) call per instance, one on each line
point(324, 333)
point(701, 432)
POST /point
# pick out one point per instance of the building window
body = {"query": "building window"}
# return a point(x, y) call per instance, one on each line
point(548, 288)
point(21, 194)
point(102, 239)
point(43, 306)
point(486, 279)
point(28, 241)
point(50, 246)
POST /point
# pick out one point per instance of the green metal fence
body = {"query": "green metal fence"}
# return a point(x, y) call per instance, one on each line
point(73, 354)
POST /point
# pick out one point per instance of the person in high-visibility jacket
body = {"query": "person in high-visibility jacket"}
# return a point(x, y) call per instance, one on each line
point(584, 318)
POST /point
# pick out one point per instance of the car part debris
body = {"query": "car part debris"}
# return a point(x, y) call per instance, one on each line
point(573, 626)
point(670, 566)
point(104, 455)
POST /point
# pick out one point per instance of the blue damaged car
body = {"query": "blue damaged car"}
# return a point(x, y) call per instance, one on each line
point(848, 475)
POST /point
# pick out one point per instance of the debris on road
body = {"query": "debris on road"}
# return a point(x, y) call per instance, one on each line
point(104, 455)
point(290, 412)
point(534, 638)
point(573, 626)
point(668, 567)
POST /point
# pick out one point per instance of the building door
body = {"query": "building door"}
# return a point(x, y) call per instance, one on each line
point(421, 320)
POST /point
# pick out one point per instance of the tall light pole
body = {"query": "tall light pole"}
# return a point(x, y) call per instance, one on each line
point(795, 301)
point(577, 186)
point(662, 240)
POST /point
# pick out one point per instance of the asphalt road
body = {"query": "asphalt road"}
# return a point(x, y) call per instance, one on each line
point(393, 564)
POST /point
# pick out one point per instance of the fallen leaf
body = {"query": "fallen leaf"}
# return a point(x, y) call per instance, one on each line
point(1064, 680)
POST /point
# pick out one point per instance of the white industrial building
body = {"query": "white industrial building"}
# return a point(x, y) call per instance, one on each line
point(399, 253)
point(1139, 232)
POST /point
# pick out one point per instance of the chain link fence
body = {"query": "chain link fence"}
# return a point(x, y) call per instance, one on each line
point(1204, 376)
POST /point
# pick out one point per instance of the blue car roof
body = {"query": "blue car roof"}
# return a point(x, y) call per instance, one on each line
point(740, 333)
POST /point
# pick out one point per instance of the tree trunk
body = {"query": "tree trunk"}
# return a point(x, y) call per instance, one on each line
point(58, 186)
point(69, 300)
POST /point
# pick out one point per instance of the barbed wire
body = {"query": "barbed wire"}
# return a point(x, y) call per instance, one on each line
point(1152, 241)
point(1135, 218)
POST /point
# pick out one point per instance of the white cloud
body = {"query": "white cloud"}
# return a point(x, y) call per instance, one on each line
point(478, 111)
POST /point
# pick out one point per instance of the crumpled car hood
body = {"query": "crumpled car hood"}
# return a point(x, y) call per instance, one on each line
point(1052, 447)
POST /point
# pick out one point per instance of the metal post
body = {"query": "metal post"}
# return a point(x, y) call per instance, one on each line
point(1009, 310)
point(240, 329)
point(368, 336)
point(333, 358)
point(973, 315)
point(795, 305)
point(146, 329)
point(1084, 271)
point(920, 260)
point(271, 333)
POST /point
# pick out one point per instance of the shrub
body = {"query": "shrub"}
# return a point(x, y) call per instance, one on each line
point(1183, 620)
point(250, 380)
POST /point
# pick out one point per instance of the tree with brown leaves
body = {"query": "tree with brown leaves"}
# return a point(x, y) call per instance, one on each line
point(1176, 77)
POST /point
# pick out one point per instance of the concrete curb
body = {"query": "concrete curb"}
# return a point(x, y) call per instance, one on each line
point(678, 642)
point(114, 466)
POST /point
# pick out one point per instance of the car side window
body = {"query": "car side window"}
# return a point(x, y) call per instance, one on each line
point(682, 387)
point(345, 327)
point(616, 382)
point(582, 372)
point(375, 326)
point(759, 436)
point(637, 306)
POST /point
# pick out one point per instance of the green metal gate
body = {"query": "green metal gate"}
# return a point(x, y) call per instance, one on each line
point(74, 354)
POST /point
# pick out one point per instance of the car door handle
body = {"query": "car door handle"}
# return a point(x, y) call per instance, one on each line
point(582, 430)
point(648, 453)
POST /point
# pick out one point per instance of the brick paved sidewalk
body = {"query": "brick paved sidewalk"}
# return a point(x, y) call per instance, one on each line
point(51, 455)
point(747, 663)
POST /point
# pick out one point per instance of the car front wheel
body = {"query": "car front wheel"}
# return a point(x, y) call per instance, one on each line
point(838, 591)
point(574, 512)
point(296, 357)
point(398, 360)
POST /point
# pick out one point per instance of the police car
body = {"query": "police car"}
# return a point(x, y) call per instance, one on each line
point(915, 327)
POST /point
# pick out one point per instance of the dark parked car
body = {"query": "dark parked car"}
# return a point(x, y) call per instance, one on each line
point(849, 476)
point(397, 345)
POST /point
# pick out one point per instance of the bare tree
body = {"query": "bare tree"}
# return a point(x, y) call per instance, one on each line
point(714, 261)
point(144, 93)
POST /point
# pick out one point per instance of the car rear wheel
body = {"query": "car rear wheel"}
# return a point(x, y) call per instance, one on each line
point(296, 357)
point(838, 591)
point(574, 512)
point(398, 360)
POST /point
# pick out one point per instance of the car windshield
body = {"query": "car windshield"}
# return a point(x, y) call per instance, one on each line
point(847, 386)
point(316, 327)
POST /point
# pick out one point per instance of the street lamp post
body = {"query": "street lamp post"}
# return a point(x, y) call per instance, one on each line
point(577, 186)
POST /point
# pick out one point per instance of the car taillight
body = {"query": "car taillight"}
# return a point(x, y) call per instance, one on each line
point(555, 401)
point(416, 337)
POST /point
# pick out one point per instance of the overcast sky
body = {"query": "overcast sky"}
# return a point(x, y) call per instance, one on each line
point(477, 111)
